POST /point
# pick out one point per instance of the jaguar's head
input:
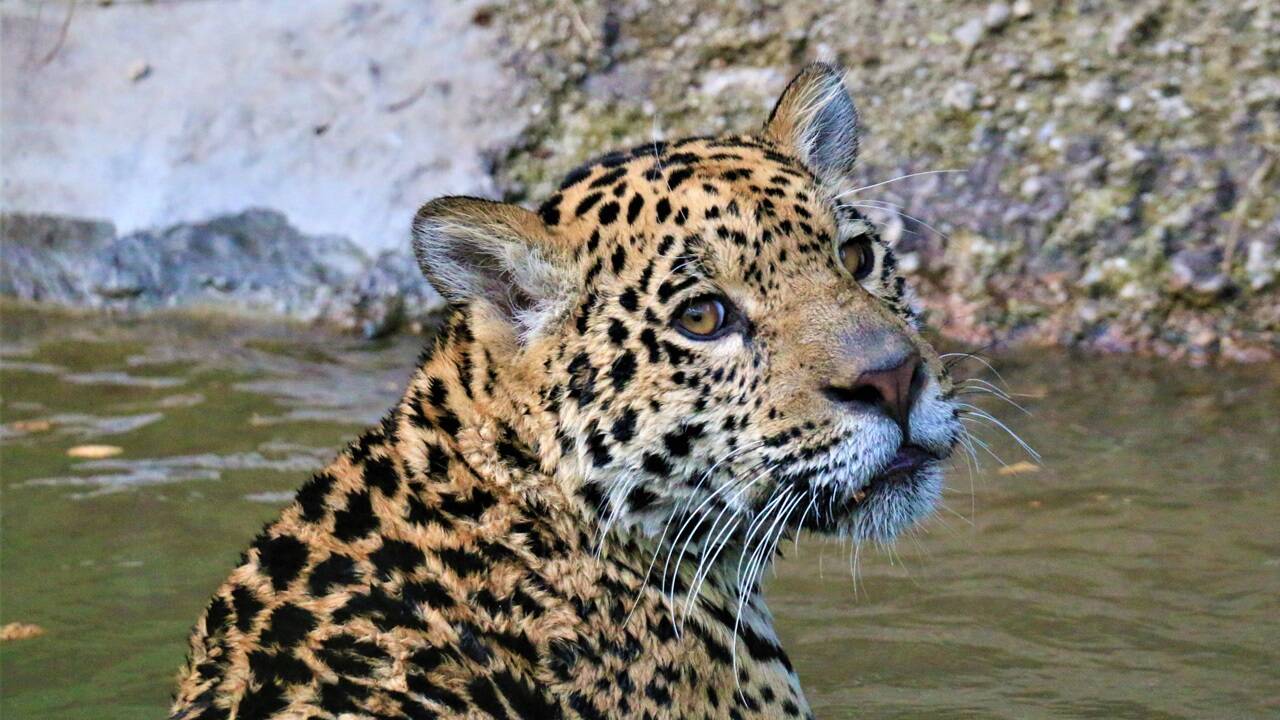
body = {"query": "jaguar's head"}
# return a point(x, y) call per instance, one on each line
point(719, 347)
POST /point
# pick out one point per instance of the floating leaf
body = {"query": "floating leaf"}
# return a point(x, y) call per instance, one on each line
point(1019, 468)
point(20, 631)
point(94, 452)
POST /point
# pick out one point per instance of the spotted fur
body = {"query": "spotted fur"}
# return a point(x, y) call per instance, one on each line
point(568, 512)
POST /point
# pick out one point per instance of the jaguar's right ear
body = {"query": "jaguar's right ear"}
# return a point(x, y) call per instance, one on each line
point(816, 122)
point(474, 250)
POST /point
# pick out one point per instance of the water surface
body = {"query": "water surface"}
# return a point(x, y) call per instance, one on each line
point(1136, 574)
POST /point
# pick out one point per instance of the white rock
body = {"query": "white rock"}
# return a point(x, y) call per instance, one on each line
point(961, 96)
point(1263, 89)
point(996, 16)
point(1131, 291)
point(969, 33)
point(1094, 91)
point(1032, 187)
point(761, 81)
point(1261, 268)
point(233, 119)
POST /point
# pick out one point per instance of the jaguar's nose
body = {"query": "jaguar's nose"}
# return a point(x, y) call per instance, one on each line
point(892, 388)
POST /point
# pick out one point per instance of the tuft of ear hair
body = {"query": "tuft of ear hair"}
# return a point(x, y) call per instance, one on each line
point(815, 121)
point(480, 251)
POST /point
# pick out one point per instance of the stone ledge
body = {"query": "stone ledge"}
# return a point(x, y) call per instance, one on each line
point(254, 262)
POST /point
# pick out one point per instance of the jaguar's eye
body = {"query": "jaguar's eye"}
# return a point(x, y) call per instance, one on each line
point(702, 318)
point(858, 257)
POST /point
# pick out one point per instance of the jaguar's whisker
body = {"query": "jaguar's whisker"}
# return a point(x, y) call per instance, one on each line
point(900, 178)
point(675, 510)
point(702, 481)
point(759, 559)
point(948, 508)
point(982, 445)
point(803, 516)
point(976, 412)
point(866, 204)
point(743, 486)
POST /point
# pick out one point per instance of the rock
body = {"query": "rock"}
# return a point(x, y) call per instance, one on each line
point(345, 116)
point(94, 452)
point(391, 292)
point(1031, 187)
point(45, 255)
point(962, 96)
point(1260, 265)
point(765, 82)
point(1133, 28)
point(970, 32)
point(31, 426)
point(1094, 92)
point(1263, 90)
point(1197, 272)
point(254, 261)
point(1044, 66)
point(1022, 467)
point(1061, 173)
point(996, 16)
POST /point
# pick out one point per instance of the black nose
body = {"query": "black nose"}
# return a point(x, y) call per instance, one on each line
point(892, 388)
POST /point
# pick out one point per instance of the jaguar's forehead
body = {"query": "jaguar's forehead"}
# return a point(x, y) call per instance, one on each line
point(725, 181)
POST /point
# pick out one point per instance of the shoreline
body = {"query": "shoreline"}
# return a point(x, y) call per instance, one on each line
point(254, 267)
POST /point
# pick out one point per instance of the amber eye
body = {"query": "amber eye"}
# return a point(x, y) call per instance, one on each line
point(702, 318)
point(857, 257)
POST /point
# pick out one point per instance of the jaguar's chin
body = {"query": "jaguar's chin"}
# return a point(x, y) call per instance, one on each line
point(902, 493)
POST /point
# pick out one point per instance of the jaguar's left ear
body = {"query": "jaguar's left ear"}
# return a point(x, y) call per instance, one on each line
point(495, 255)
point(816, 122)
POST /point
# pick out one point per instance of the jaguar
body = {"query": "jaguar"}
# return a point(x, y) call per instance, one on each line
point(690, 351)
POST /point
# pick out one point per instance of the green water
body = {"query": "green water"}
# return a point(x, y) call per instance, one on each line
point(1136, 575)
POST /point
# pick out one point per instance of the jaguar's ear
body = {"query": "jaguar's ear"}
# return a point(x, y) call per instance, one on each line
point(474, 250)
point(815, 121)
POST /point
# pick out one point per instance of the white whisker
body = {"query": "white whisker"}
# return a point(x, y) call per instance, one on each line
point(900, 211)
point(977, 412)
point(897, 179)
point(675, 510)
point(979, 358)
point(759, 558)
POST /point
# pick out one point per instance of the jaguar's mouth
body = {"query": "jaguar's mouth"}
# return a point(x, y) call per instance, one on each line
point(900, 468)
point(901, 491)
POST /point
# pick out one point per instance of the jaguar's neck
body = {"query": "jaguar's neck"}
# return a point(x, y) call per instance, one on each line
point(460, 405)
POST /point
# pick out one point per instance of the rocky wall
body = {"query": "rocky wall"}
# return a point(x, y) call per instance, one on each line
point(1095, 174)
